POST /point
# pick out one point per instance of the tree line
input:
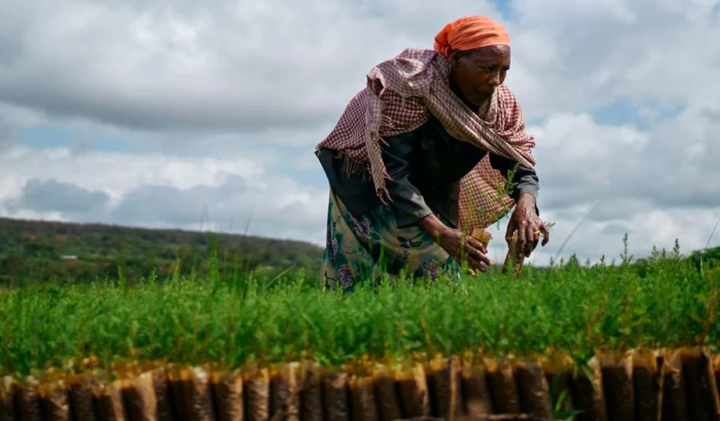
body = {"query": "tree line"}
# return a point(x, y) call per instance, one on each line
point(41, 251)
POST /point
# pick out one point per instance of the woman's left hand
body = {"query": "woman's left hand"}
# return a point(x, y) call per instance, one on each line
point(528, 225)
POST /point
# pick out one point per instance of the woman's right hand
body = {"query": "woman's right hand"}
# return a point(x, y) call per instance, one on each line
point(465, 248)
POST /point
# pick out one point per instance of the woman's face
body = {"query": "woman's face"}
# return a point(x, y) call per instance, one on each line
point(477, 73)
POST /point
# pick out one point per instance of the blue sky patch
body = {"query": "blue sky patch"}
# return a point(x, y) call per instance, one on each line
point(504, 7)
point(641, 114)
point(48, 137)
point(311, 177)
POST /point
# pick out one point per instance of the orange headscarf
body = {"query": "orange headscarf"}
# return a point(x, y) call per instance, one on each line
point(470, 32)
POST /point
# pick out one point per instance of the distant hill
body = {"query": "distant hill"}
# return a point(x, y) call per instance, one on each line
point(58, 251)
point(40, 251)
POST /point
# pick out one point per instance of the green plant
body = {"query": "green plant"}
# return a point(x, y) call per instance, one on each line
point(230, 320)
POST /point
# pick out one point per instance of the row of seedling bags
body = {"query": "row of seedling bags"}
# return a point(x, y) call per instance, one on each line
point(638, 385)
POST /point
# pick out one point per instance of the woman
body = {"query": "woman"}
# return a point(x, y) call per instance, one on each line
point(421, 156)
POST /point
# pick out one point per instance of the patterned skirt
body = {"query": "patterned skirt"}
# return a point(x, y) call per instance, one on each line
point(365, 248)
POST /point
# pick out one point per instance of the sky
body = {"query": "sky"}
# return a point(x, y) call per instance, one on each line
point(205, 115)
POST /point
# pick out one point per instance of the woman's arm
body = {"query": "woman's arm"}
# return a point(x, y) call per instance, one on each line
point(525, 218)
point(458, 245)
point(410, 207)
point(406, 201)
point(524, 179)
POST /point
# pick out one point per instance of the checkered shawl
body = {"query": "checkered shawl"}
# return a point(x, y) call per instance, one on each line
point(401, 95)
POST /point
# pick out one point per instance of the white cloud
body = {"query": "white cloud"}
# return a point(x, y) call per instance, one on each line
point(154, 190)
point(119, 173)
point(227, 94)
point(228, 66)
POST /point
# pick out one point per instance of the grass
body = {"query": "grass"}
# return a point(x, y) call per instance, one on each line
point(235, 321)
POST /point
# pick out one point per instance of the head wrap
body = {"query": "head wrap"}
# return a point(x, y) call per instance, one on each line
point(468, 33)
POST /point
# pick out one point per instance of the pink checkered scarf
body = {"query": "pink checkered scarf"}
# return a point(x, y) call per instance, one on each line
point(400, 96)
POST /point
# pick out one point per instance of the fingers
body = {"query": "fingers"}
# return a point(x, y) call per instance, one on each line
point(526, 246)
point(483, 258)
point(510, 230)
point(478, 251)
point(472, 241)
point(533, 234)
point(539, 229)
point(522, 234)
point(475, 265)
point(522, 237)
point(477, 258)
point(529, 230)
point(546, 235)
point(474, 253)
point(533, 239)
point(530, 247)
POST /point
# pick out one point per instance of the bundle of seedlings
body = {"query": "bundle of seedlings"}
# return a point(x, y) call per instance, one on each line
point(515, 256)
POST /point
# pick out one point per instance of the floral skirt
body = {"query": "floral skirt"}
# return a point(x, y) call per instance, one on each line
point(363, 249)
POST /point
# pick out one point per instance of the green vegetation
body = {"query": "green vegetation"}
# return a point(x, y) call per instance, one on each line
point(31, 251)
point(233, 320)
point(194, 298)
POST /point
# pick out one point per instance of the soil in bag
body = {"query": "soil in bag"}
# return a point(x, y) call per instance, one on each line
point(140, 399)
point(413, 392)
point(177, 392)
point(163, 395)
point(256, 386)
point(285, 392)
point(228, 391)
point(29, 400)
point(388, 404)
point(109, 401)
point(336, 393)
point(588, 396)
point(55, 401)
point(716, 371)
point(558, 371)
point(8, 388)
point(503, 388)
point(674, 400)
point(533, 389)
point(476, 391)
point(364, 407)
point(311, 405)
point(618, 386)
point(445, 386)
point(700, 388)
point(192, 386)
point(647, 381)
point(82, 400)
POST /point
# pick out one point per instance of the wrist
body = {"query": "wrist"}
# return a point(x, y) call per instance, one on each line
point(433, 227)
point(444, 234)
point(526, 201)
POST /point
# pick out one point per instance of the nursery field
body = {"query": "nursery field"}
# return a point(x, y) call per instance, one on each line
point(602, 342)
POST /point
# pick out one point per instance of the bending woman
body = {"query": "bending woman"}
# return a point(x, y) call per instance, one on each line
point(423, 155)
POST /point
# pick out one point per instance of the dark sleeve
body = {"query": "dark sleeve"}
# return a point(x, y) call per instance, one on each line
point(524, 178)
point(407, 203)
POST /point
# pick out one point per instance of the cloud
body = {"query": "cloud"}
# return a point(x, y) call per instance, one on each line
point(580, 56)
point(51, 195)
point(670, 166)
point(226, 67)
point(156, 191)
point(182, 114)
point(6, 135)
point(277, 208)
point(223, 67)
